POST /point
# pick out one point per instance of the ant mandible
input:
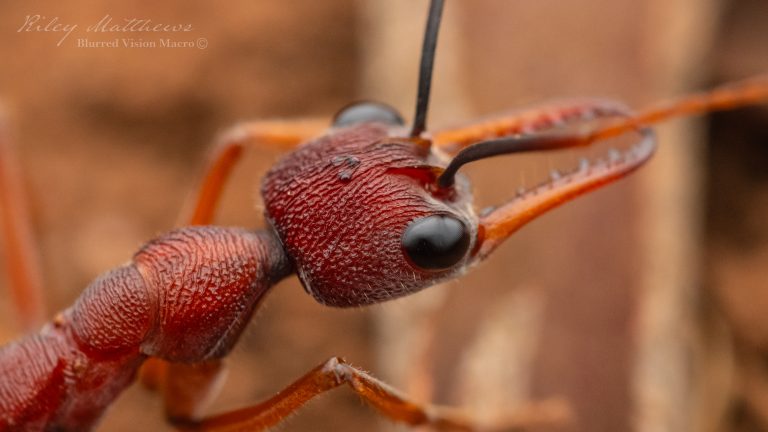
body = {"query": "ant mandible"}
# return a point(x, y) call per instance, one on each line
point(366, 212)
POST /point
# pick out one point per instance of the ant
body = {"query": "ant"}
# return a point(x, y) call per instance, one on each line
point(368, 211)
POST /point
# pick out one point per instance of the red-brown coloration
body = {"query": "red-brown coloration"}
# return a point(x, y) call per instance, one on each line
point(185, 297)
point(208, 282)
point(340, 209)
point(339, 205)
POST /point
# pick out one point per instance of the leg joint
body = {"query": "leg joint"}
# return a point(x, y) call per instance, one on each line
point(337, 368)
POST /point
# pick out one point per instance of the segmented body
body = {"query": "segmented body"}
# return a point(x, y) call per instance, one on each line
point(185, 296)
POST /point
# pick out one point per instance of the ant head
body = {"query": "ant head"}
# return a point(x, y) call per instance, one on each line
point(359, 212)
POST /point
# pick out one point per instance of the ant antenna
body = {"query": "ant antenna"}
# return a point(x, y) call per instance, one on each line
point(503, 146)
point(425, 70)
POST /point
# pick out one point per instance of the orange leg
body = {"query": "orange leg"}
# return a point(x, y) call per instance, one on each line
point(22, 259)
point(283, 135)
point(730, 96)
point(527, 122)
point(547, 117)
point(187, 389)
point(388, 401)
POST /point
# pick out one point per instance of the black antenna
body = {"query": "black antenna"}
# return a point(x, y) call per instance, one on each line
point(519, 144)
point(503, 146)
point(425, 71)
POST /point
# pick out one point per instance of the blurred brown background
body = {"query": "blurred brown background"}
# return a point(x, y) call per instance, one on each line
point(642, 305)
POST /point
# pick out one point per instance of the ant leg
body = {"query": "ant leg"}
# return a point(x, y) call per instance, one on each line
point(189, 388)
point(530, 121)
point(174, 380)
point(21, 256)
point(388, 401)
point(283, 135)
point(729, 96)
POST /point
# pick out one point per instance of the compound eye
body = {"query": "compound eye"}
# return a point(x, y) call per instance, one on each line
point(364, 112)
point(436, 242)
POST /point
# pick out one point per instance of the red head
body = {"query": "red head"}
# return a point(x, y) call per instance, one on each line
point(358, 212)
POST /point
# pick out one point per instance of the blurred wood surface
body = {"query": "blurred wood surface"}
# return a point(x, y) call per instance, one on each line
point(736, 247)
point(599, 302)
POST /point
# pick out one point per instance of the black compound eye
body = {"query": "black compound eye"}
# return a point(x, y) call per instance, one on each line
point(363, 112)
point(436, 242)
